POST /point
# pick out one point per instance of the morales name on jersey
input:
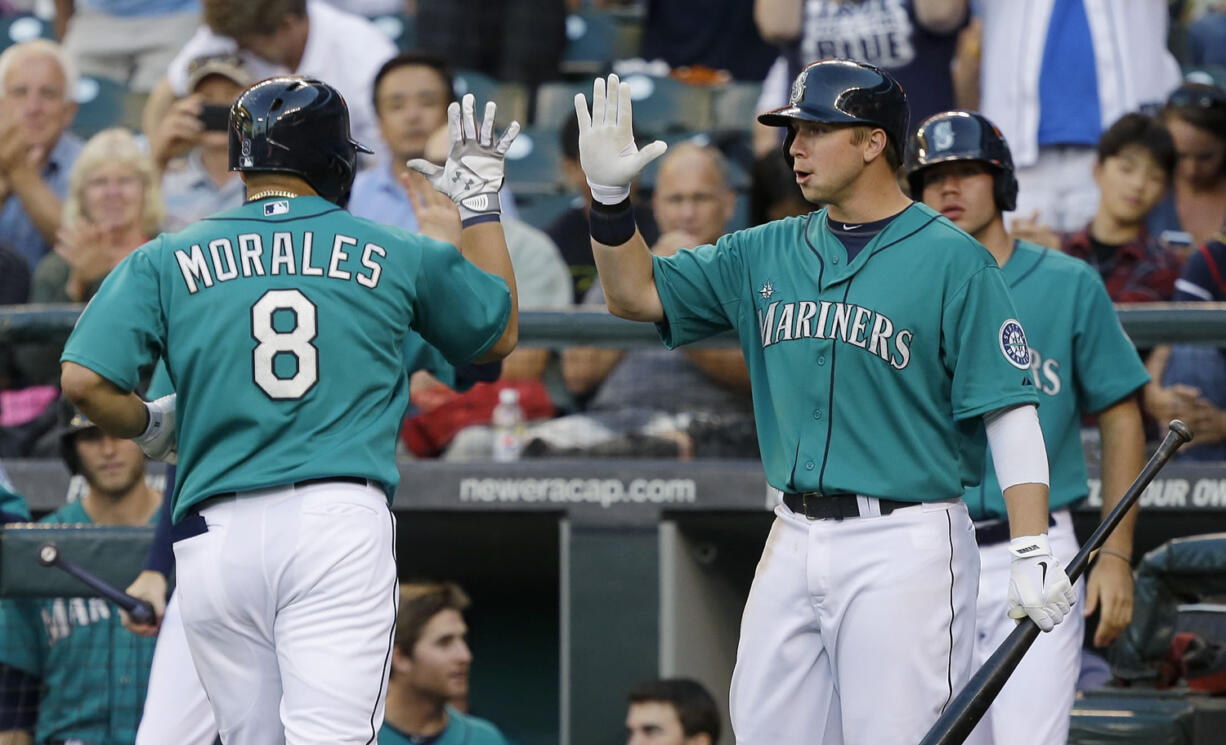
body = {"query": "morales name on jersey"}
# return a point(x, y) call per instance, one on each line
point(851, 324)
point(249, 255)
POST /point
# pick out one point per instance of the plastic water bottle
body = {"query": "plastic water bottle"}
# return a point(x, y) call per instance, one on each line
point(508, 422)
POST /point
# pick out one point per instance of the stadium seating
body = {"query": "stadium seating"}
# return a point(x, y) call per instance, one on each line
point(534, 162)
point(540, 209)
point(19, 28)
point(661, 105)
point(512, 98)
point(735, 105)
point(100, 103)
point(400, 28)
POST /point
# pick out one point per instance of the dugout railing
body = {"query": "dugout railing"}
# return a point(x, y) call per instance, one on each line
point(589, 575)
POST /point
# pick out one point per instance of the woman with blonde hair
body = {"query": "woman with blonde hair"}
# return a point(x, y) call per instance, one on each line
point(114, 205)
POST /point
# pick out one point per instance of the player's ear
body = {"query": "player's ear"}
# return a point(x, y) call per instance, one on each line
point(877, 142)
point(702, 738)
point(400, 661)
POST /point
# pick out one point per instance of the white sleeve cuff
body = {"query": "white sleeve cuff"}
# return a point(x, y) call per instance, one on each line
point(1016, 442)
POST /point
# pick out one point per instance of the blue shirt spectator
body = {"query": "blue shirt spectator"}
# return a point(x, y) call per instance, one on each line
point(36, 151)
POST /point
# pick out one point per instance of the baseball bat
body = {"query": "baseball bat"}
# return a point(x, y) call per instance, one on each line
point(140, 610)
point(968, 707)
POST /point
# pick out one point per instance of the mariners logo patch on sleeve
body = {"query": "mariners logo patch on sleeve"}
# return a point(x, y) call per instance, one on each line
point(1013, 344)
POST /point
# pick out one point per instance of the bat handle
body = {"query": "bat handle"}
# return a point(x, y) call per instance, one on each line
point(142, 611)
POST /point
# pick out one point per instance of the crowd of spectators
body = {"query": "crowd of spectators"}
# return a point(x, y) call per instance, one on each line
point(1119, 163)
point(1113, 110)
point(1121, 160)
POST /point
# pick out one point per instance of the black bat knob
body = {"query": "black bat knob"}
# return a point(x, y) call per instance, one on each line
point(48, 554)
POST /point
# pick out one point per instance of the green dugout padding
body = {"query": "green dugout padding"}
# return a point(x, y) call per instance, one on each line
point(114, 554)
point(1114, 716)
point(1178, 571)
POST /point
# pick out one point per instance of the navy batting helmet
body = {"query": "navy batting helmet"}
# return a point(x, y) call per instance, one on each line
point(839, 91)
point(962, 135)
point(297, 125)
point(73, 421)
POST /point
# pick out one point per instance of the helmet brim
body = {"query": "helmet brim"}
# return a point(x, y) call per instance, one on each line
point(789, 115)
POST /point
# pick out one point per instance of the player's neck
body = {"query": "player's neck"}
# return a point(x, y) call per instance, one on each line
point(418, 715)
point(276, 184)
point(873, 196)
point(994, 238)
point(135, 507)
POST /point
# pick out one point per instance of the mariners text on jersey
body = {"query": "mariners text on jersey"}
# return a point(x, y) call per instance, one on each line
point(223, 259)
point(851, 324)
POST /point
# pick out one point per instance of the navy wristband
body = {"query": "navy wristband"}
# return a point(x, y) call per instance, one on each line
point(612, 224)
point(478, 219)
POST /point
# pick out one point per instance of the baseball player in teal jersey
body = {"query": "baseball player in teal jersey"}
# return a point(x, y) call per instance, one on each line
point(13, 507)
point(72, 673)
point(282, 325)
point(1081, 362)
point(883, 350)
point(176, 707)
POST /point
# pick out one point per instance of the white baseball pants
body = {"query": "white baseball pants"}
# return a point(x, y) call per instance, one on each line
point(856, 631)
point(176, 709)
point(1034, 706)
point(289, 603)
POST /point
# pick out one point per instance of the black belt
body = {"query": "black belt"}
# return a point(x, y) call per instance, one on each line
point(993, 532)
point(817, 506)
point(296, 485)
point(193, 523)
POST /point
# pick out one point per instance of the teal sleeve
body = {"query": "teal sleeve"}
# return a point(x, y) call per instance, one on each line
point(989, 370)
point(12, 503)
point(23, 646)
point(122, 331)
point(418, 355)
point(458, 308)
point(701, 290)
point(160, 384)
point(1108, 366)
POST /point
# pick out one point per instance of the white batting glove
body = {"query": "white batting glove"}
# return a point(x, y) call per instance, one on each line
point(1038, 586)
point(607, 151)
point(158, 439)
point(476, 165)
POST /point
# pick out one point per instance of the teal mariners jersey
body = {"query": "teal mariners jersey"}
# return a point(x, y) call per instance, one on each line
point(869, 376)
point(461, 729)
point(94, 672)
point(282, 324)
point(12, 504)
point(1081, 361)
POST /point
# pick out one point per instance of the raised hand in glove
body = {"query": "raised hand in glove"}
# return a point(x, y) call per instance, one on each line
point(1038, 586)
point(158, 439)
point(607, 151)
point(475, 166)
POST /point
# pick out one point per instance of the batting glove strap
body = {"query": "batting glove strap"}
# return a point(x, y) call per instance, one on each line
point(486, 205)
point(158, 439)
point(609, 195)
point(475, 167)
point(1039, 588)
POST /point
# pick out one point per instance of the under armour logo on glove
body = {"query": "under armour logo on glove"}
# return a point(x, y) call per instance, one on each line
point(475, 164)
